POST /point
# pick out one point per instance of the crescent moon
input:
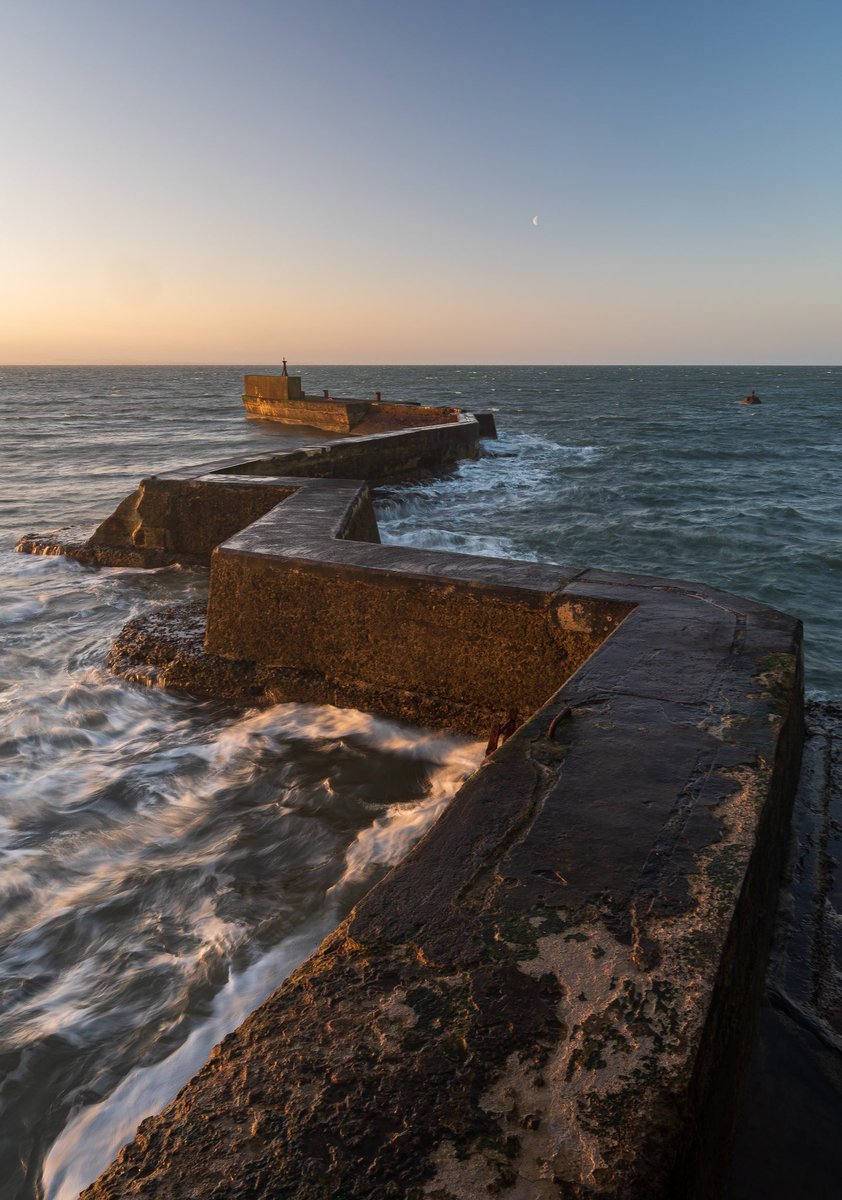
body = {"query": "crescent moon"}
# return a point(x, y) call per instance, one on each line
point(534, 220)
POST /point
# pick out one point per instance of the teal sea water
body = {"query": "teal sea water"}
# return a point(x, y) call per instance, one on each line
point(164, 862)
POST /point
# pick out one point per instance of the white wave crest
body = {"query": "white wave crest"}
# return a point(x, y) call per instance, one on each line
point(391, 836)
point(92, 1137)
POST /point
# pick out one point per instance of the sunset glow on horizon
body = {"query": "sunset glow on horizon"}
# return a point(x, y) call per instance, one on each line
point(478, 182)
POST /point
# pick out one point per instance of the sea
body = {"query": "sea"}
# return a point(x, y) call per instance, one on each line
point(164, 861)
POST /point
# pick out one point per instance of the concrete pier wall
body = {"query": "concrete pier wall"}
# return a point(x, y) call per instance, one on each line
point(184, 518)
point(334, 416)
point(377, 458)
point(281, 398)
point(182, 515)
point(553, 995)
point(467, 637)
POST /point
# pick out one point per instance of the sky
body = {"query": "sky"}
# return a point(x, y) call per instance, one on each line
point(357, 181)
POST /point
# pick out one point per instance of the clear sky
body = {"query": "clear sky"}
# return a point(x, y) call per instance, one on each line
point(355, 181)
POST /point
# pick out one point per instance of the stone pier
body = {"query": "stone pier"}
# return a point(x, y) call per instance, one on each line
point(553, 994)
point(281, 398)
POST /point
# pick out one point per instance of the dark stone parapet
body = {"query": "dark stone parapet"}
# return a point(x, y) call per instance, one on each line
point(552, 995)
point(788, 1142)
point(468, 635)
point(487, 424)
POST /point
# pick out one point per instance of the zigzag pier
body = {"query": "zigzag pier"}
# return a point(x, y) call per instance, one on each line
point(553, 994)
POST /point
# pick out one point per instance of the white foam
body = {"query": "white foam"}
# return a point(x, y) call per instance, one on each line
point(391, 836)
point(484, 545)
point(312, 722)
point(17, 614)
point(92, 1137)
point(95, 1133)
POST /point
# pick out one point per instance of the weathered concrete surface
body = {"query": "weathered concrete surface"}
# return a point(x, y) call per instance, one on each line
point(168, 519)
point(166, 648)
point(172, 518)
point(334, 416)
point(788, 1135)
point(306, 605)
point(380, 458)
point(455, 631)
point(281, 398)
point(273, 387)
point(553, 995)
point(487, 423)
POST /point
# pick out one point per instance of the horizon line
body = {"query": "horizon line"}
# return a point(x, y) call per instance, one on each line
point(333, 365)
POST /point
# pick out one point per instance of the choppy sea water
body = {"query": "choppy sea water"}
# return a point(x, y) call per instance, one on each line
point(164, 862)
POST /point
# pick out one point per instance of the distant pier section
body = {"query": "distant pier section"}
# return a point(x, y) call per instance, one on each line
point(282, 398)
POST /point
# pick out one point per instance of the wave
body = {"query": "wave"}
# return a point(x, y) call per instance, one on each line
point(181, 828)
point(92, 1137)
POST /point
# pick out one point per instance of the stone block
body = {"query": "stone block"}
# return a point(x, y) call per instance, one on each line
point(273, 387)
